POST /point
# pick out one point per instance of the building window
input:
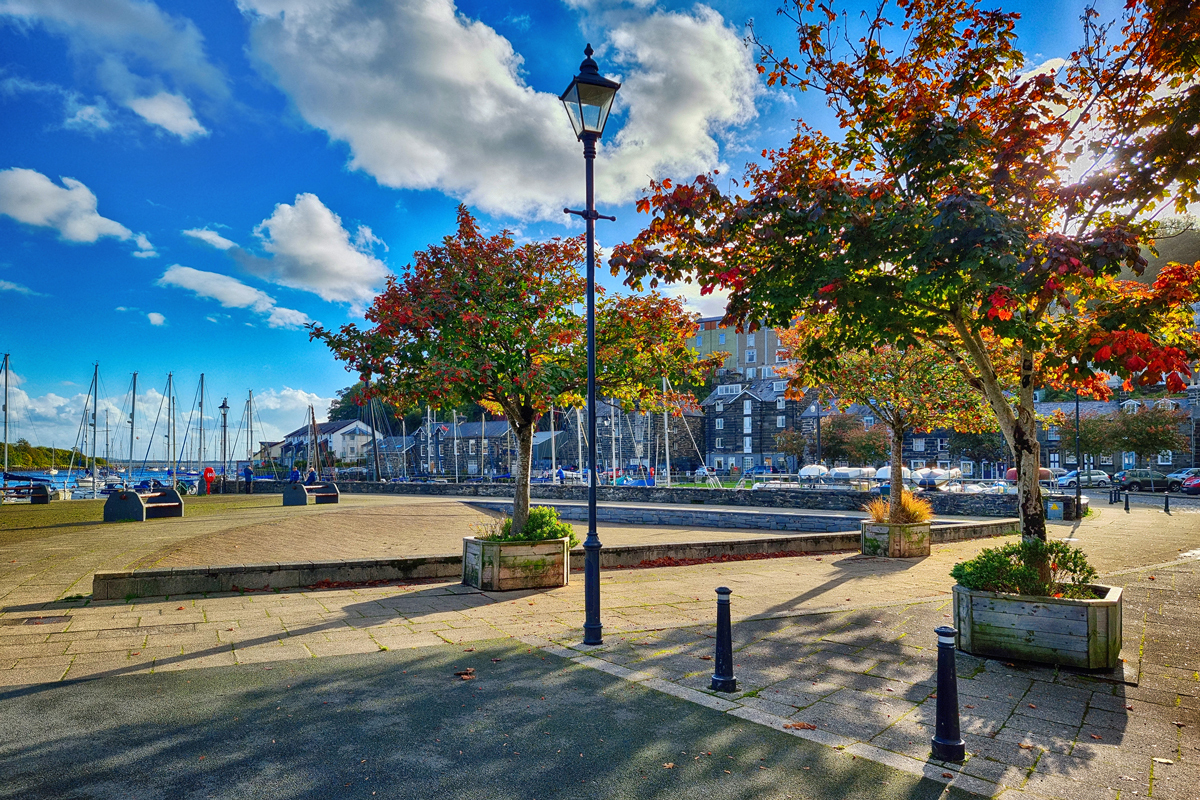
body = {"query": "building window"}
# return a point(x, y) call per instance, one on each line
point(720, 406)
point(1130, 406)
point(729, 388)
point(943, 465)
point(1106, 460)
point(917, 464)
point(747, 447)
point(720, 338)
point(968, 468)
point(868, 423)
point(1164, 458)
point(1052, 434)
point(751, 373)
point(1070, 458)
point(747, 463)
point(780, 421)
point(718, 443)
point(747, 406)
point(751, 356)
point(781, 404)
point(471, 451)
point(943, 445)
point(1054, 459)
point(781, 356)
point(719, 424)
point(351, 448)
point(780, 386)
point(747, 424)
point(720, 461)
point(918, 445)
point(768, 372)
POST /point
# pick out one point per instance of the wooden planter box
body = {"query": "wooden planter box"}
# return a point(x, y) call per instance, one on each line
point(895, 541)
point(501, 566)
point(1048, 630)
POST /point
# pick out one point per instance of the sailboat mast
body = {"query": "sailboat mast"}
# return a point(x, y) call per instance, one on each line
point(95, 405)
point(5, 478)
point(250, 427)
point(666, 432)
point(553, 464)
point(132, 420)
point(170, 422)
point(201, 449)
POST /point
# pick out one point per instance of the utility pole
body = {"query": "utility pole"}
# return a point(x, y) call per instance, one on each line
point(553, 463)
point(224, 439)
point(666, 432)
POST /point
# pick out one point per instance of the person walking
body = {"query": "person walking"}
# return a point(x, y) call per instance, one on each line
point(248, 472)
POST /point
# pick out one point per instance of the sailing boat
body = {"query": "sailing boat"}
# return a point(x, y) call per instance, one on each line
point(52, 470)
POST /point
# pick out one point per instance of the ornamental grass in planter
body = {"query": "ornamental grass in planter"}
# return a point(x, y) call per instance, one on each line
point(538, 556)
point(902, 535)
point(1037, 601)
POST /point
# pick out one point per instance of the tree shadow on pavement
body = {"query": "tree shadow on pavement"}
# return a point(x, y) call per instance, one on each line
point(403, 724)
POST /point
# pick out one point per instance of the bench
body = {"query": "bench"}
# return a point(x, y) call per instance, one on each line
point(126, 505)
point(41, 494)
point(298, 494)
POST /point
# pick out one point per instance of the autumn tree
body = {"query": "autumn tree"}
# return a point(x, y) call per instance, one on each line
point(482, 319)
point(912, 389)
point(968, 203)
point(1149, 431)
point(979, 446)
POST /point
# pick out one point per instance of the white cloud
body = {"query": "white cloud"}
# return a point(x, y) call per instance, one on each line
point(232, 293)
point(210, 237)
point(156, 319)
point(9, 286)
point(709, 305)
point(169, 111)
point(310, 250)
point(142, 57)
point(427, 98)
point(78, 115)
point(30, 197)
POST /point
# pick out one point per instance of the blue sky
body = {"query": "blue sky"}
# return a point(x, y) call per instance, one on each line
point(184, 185)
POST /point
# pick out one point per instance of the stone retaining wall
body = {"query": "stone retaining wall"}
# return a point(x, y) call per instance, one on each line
point(944, 503)
point(119, 585)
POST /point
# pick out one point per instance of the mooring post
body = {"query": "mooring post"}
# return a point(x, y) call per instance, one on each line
point(722, 679)
point(1127, 501)
point(948, 744)
point(1167, 501)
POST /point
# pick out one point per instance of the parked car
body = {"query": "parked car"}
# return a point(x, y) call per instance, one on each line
point(1087, 477)
point(1182, 475)
point(1191, 485)
point(1145, 480)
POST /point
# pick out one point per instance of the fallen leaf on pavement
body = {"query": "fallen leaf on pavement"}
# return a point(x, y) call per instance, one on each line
point(727, 772)
point(1024, 746)
point(467, 674)
point(800, 726)
point(181, 609)
point(1129, 708)
point(968, 706)
point(705, 658)
point(669, 765)
point(1097, 736)
point(469, 650)
point(1151, 577)
point(1163, 761)
point(1031, 705)
point(1179, 725)
point(497, 660)
point(947, 774)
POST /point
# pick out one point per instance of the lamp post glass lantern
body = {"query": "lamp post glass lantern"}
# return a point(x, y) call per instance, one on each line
point(588, 100)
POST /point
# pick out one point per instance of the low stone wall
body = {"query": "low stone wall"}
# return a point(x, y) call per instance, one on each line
point(944, 503)
point(688, 516)
point(960, 531)
point(119, 585)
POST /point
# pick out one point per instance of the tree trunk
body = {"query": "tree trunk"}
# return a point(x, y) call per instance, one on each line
point(896, 475)
point(524, 433)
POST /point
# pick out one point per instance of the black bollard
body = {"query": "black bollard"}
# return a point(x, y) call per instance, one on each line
point(1127, 501)
point(1167, 501)
point(722, 679)
point(948, 744)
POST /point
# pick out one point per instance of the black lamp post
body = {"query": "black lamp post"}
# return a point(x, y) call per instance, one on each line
point(1079, 465)
point(224, 439)
point(588, 100)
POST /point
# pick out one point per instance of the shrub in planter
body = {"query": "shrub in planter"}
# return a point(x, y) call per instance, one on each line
point(537, 556)
point(906, 538)
point(1035, 601)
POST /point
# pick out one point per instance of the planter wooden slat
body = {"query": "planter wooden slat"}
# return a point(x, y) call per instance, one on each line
point(503, 566)
point(1050, 630)
point(1034, 609)
point(1001, 619)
